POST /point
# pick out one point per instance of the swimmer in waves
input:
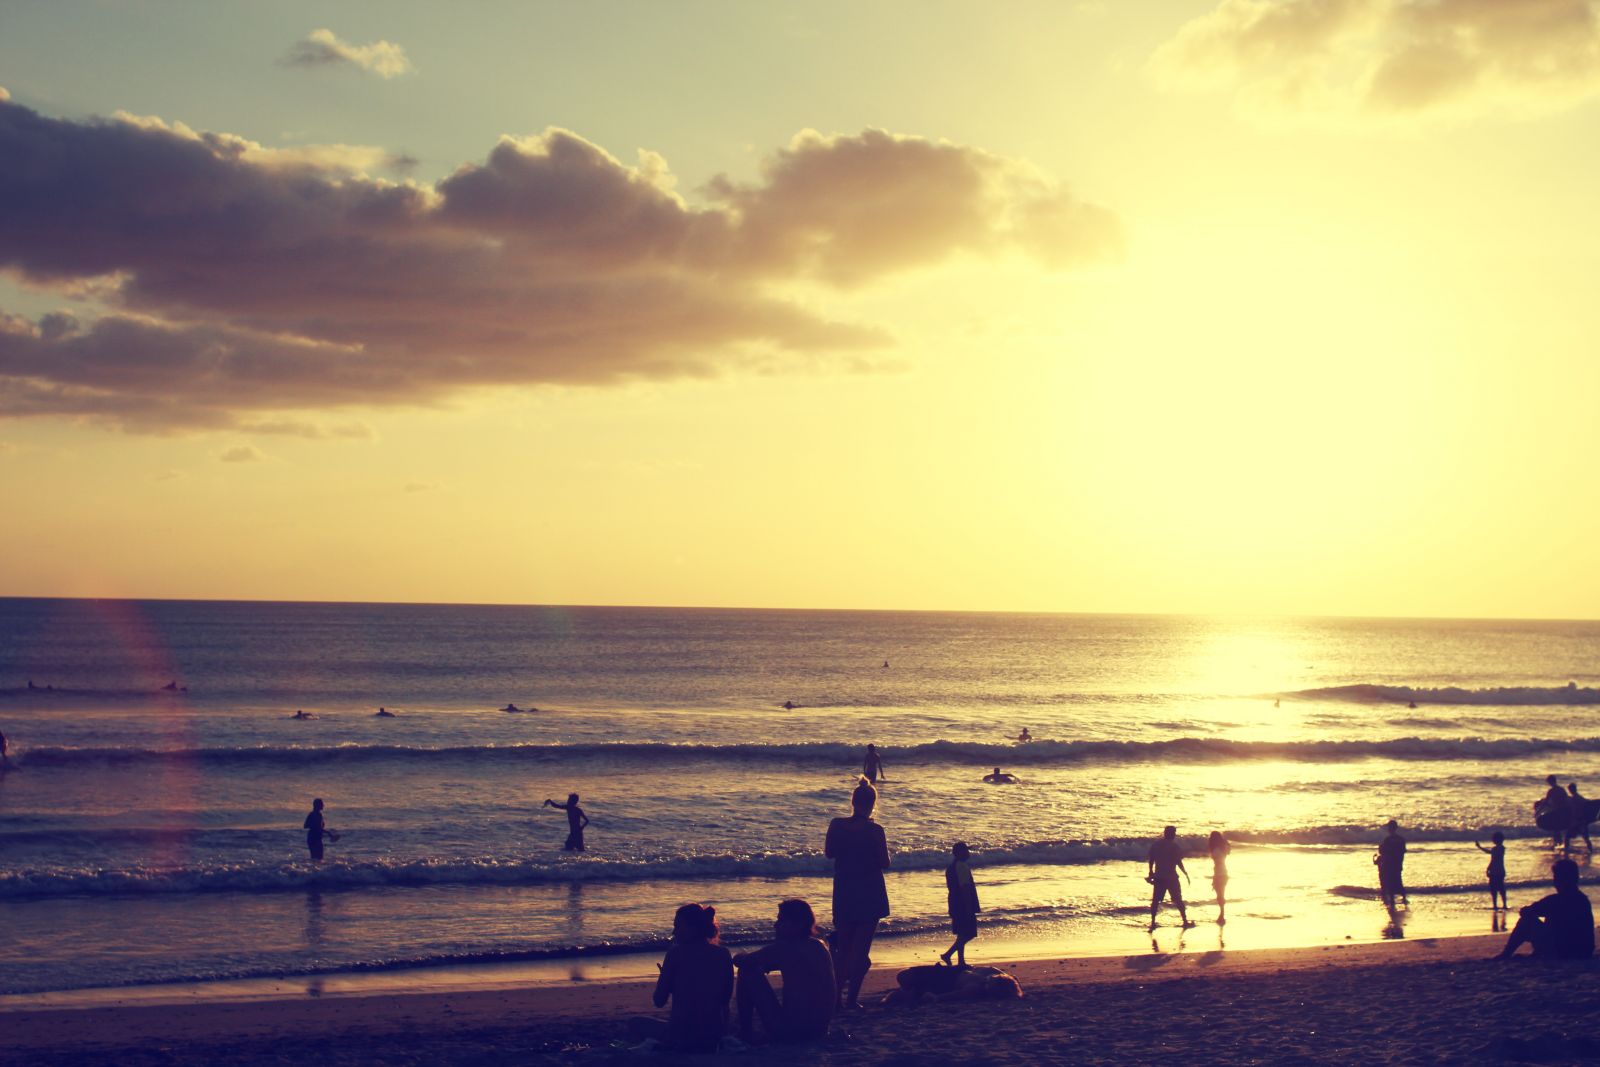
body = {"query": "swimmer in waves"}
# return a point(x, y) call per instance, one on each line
point(1024, 737)
point(383, 713)
point(513, 707)
point(302, 715)
point(1000, 778)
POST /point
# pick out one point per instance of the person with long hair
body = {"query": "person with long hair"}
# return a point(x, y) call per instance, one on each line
point(809, 992)
point(697, 977)
point(1219, 848)
point(860, 854)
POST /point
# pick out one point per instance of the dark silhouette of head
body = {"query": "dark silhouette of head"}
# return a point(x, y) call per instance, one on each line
point(997, 772)
point(1169, 832)
point(1215, 839)
point(1550, 779)
point(1572, 787)
point(864, 799)
point(572, 798)
point(1392, 826)
point(1565, 874)
point(872, 748)
point(695, 923)
point(795, 919)
point(1498, 838)
point(316, 805)
point(959, 850)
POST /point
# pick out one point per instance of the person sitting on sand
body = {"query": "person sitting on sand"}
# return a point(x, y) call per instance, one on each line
point(1391, 861)
point(953, 983)
point(576, 821)
point(1165, 861)
point(316, 827)
point(1219, 848)
point(962, 896)
point(809, 990)
point(697, 977)
point(1559, 927)
point(1496, 871)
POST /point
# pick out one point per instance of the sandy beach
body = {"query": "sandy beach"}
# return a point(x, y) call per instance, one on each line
point(1419, 1001)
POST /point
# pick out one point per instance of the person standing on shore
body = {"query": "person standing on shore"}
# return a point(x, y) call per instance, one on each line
point(1391, 861)
point(962, 894)
point(872, 766)
point(860, 853)
point(1496, 871)
point(1219, 848)
point(316, 827)
point(576, 821)
point(1165, 861)
point(1561, 926)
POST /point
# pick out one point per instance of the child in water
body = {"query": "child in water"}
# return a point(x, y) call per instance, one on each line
point(1496, 870)
point(963, 896)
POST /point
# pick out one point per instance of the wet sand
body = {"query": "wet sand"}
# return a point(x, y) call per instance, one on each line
point(1405, 1002)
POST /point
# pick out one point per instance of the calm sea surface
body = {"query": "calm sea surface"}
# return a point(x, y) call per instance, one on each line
point(152, 835)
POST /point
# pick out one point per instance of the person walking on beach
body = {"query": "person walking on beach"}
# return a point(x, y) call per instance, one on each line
point(1496, 871)
point(697, 977)
point(1553, 812)
point(1580, 816)
point(872, 766)
point(962, 894)
point(316, 827)
point(809, 990)
point(1391, 861)
point(860, 853)
point(1165, 861)
point(1561, 926)
point(576, 821)
point(1219, 848)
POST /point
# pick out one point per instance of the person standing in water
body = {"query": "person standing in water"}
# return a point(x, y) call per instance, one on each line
point(1165, 861)
point(963, 900)
point(1391, 861)
point(316, 827)
point(872, 767)
point(1219, 848)
point(1496, 871)
point(860, 854)
point(1580, 816)
point(576, 821)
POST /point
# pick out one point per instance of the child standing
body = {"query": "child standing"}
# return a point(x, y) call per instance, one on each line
point(1496, 870)
point(963, 902)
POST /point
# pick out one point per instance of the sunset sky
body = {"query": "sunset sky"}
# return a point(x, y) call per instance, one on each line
point(1281, 306)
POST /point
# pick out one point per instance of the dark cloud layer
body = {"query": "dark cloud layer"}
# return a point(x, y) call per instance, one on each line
point(239, 281)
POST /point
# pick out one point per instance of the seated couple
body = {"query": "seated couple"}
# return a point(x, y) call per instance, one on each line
point(697, 977)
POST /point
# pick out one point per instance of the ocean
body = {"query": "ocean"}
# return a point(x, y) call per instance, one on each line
point(152, 834)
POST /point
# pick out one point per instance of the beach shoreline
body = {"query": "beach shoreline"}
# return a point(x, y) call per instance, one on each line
point(1103, 1006)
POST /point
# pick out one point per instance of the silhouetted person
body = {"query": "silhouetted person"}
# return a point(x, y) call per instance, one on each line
point(885, 663)
point(300, 714)
point(31, 685)
point(316, 829)
point(1024, 736)
point(809, 992)
point(170, 687)
point(1391, 861)
point(1553, 812)
point(788, 705)
point(872, 766)
point(5, 749)
point(1165, 861)
point(383, 713)
point(510, 707)
point(860, 854)
point(1561, 926)
point(997, 777)
point(1496, 871)
point(697, 977)
point(962, 894)
point(576, 821)
point(1580, 816)
point(1219, 848)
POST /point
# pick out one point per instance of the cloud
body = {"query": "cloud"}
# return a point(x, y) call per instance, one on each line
point(1391, 58)
point(420, 487)
point(243, 454)
point(239, 285)
point(323, 48)
point(315, 431)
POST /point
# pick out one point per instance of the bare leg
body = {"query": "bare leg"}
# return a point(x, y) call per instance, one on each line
point(755, 997)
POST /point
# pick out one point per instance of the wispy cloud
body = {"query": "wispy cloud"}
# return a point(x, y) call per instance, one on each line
point(551, 261)
point(243, 454)
point(323, 48)
point(1391, 58)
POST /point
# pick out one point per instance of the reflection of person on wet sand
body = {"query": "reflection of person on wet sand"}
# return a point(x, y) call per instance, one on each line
point(576, 821)
point(316, 828)
point(872, 766)
point(1391, 861)
point(809, 991)
point(998, 777)
point(1165, 861)
point(1219, 848)
point(1496, 871)
point(860, 853)
point(1561, 926)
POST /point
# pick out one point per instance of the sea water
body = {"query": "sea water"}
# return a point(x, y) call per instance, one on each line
point(152, 834)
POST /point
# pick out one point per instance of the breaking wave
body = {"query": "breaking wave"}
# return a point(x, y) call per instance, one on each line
point(1501, 696)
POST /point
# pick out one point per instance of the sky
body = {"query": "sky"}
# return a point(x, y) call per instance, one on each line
point(1250, 306)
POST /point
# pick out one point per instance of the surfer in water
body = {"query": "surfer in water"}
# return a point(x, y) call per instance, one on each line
point(998, 777)
point(383, 713)
point(301, 715)
point(576, 821)
point(1024, 737)
point(316, 829)
point(1164, 863)
point(872, 766)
